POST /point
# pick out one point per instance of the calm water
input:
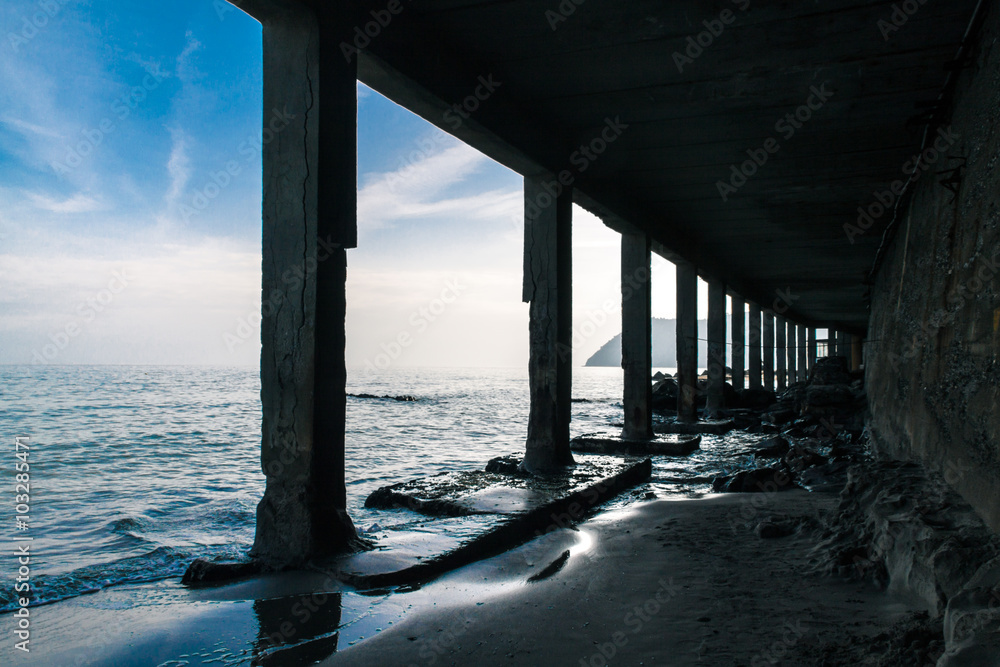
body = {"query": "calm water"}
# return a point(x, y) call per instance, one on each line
point(136, 470)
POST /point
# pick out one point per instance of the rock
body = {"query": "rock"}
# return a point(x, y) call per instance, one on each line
point(772, 528)
point(780, 416)
point(202, 571)
point(505, 465)
point(800, 457)
point(827, 396)
point(773, 448)
point(760, 480)
point(972, 620)
point(829, 370)
point(759, 399)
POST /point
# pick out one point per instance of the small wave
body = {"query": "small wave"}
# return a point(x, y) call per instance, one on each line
point(160, 563)
point(129, 525)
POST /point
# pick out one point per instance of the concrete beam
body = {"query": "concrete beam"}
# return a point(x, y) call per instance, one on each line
point(737, 329)
point(781, 352)
point(637, 336)
point(755, 338)
point(309, 219)
point(716, 348)
point(803, 349)
point(687, 341)
point(548, 288)
point(767, 339)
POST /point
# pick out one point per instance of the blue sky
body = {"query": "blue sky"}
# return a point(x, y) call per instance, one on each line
point(121, 243)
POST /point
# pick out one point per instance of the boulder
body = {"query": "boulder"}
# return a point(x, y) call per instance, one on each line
point(829, 370)
point(760, 480)
point(773, 448)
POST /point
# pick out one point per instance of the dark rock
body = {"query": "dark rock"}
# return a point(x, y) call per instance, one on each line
point(505, 465)
point(760, 480)
point(800, 457)
point(773, 448)
point(773, 528)
point(204, 572)
point(759, 399)
point(828, 395)
point(780, 416)
point(829, 370)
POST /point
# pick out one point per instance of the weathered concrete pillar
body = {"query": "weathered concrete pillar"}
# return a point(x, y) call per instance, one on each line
point(767, 337)
point(309, 219)
point(780, 352)
point(715, 399)
point(755, 338)
point(637, 337)
point(548, 287)
point(737, 329)
point(802, 365)
point(811, 350)
point(687, 341)
point(831, 343)
point(843, 344)
point(790, 340)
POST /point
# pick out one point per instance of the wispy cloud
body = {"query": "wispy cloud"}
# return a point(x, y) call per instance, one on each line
point(419, 190)
point(179, 169)
point(78, 203)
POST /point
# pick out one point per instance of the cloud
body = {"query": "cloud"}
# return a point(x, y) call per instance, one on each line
point(178, 167)
point(27, 129)
point(418, 190)
point(78, 203)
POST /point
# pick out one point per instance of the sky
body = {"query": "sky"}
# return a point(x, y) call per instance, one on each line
point(122, 243)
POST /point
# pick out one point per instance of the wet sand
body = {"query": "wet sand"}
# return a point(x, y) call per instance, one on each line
point(672, 582)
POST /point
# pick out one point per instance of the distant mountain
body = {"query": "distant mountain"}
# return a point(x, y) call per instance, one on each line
point(664, 346)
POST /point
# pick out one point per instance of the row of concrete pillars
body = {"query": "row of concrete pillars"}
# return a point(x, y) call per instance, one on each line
point(774, 353)
point(310, 220)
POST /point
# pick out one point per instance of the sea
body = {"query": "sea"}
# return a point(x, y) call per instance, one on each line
point(137, 470)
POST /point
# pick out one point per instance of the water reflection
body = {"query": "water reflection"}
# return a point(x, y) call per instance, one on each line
point(297, 630)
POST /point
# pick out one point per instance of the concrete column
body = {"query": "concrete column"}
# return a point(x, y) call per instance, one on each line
point(755, 339)
point(831, 343)
point(811, 350)
point(780, 352)
point(637, 337)
point(309, 219)
point(790, 340)
point(738, 334)
point(857, 352)
point(803, 374)
point(715, 399)
point(548, 287)
point(843, 345)
point(687, 341)
point(767, 339)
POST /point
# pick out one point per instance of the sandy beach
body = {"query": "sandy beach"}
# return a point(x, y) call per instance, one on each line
point(672, 582)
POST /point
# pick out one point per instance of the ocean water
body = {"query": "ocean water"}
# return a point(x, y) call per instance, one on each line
point(136, 470)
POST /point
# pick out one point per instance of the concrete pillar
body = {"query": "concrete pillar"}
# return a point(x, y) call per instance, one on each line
point(767, 339)
point(857, 352)
point(548, 287)
point(780, 352)
point(738, 334)
point(831, 343)
point(843, 345)
point(811, 350)
point(802, 351)
point(755, 338)
point(687, 341)
point(637, 337)
point(790, 340)
point(309, 219)
point(715, 399)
